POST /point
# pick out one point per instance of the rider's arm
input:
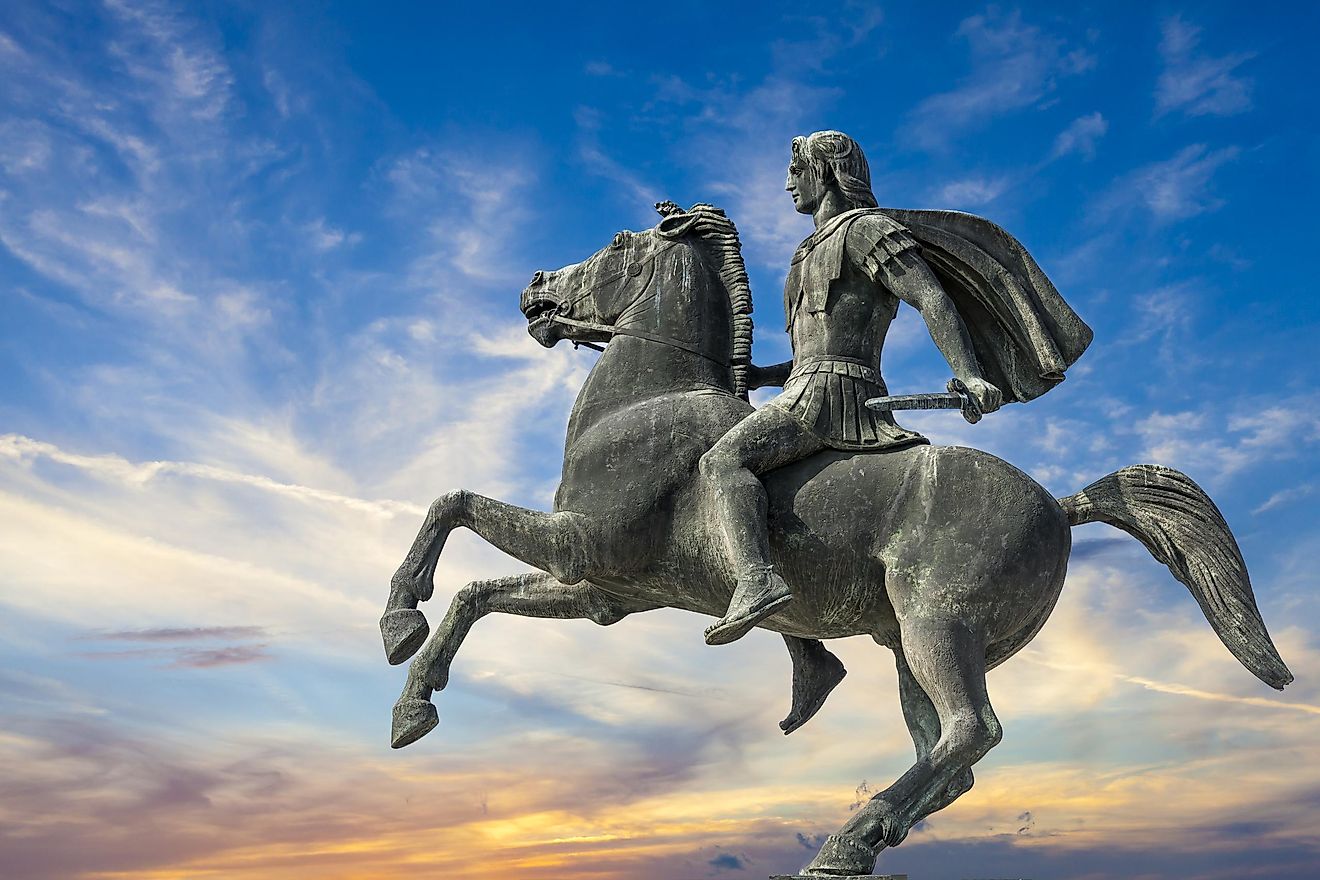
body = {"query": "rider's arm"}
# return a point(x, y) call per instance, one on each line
point(772, 376)
point(912, 281)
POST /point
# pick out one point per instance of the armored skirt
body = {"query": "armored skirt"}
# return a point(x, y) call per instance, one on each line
point(828, 396)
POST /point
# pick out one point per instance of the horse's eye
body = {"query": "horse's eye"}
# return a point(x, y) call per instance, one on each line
point(619, 239)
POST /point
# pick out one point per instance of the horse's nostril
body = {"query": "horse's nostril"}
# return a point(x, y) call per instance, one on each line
point(538, 277)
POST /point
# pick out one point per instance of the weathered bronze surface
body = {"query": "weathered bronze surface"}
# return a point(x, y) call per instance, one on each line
point(814, 516)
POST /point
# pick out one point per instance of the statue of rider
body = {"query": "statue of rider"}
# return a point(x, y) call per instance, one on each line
point(841, 294)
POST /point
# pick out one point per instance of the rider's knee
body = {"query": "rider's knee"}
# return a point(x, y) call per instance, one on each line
point(716, 464)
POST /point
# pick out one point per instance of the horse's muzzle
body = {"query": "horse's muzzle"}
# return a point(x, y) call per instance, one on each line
point(539, 311)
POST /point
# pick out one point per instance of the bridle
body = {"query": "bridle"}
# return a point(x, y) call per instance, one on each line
point(612, 330)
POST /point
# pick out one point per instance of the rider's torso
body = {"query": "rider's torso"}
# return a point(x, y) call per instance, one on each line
point(853, 325)
point(838, 315)
point(834, 309)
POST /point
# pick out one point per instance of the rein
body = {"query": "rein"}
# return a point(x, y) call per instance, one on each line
point(613, 330)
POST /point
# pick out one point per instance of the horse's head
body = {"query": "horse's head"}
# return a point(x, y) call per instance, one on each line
point(681, 283)
point(584, 301)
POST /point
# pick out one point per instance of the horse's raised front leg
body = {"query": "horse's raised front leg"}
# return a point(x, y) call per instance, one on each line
point(947, 661)
point(553, 542)
point(528, 595)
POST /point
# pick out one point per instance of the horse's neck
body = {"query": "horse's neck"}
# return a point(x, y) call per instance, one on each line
point(680, 306)
point(683, 302)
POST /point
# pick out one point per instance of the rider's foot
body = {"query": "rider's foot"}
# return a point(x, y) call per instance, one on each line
point(815, 675)
point(758, 596)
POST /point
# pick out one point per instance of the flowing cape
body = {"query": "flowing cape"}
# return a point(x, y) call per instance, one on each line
point(1024, 334)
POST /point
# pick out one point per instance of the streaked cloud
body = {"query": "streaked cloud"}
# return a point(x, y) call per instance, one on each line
point(1015, 65)
point(1080, 136)
point(24, 449)
point(1195, 83)
point(179, 633)
point(1287, 496)
point(970, 192)
point(1172, 189)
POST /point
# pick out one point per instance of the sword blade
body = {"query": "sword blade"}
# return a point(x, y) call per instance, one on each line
point(915, 401)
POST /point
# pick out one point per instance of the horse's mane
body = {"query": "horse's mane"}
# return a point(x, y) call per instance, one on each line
point(719, 238)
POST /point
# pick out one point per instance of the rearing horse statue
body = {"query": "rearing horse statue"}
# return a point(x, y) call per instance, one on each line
point(948, 556)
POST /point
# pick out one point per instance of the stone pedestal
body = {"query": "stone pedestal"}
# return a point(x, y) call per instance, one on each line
point(850, 877)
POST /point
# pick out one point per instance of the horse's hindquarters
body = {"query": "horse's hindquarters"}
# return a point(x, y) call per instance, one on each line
point(868, 539)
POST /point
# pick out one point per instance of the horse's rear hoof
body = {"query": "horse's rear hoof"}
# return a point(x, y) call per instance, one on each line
point(403, 631)
point(413, 719)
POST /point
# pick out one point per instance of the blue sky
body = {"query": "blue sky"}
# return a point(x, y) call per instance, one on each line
point(258, 277)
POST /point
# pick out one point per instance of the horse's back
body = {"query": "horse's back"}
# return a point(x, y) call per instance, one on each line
point(870, 538)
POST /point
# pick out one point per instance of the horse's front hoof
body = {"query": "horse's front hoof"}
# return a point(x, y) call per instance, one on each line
point(403, 630)
point(842, 856)
point(413, 719)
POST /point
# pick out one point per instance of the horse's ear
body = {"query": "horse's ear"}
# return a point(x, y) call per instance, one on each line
point(676, 225)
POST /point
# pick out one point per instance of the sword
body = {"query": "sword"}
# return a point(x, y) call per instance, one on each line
point(958, 397)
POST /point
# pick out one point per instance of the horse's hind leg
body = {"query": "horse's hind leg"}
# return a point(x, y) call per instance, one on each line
point(924, 724)
point(552, 542)
point(528, 595)
point(947, 661)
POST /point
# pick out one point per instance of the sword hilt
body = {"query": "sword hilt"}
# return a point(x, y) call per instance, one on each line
point(971, 407)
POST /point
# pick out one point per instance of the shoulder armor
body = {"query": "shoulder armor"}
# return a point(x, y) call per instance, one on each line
point(875, 240)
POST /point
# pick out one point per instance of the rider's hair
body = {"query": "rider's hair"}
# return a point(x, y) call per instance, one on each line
point(836, 155)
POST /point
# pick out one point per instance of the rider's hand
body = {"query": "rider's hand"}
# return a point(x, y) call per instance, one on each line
point(988, 396)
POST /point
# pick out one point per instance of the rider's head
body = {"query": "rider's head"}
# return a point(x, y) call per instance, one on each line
point(831, 160)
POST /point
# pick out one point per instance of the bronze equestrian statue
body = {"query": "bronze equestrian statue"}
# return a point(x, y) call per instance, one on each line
point(677, 493)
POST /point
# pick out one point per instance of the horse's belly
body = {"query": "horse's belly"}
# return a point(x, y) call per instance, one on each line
point(824, 533)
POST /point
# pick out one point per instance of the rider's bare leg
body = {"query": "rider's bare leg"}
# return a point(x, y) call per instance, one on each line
point(768, 438)
point(529, 595)
point(816, 672)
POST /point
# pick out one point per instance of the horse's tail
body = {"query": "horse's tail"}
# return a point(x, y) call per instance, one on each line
point(1181, 527)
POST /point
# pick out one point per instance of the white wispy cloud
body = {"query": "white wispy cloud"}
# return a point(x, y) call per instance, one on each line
point(598, 162)
point(24, 449)
point(1219, 445)
point(816, 41)
point(1284, 497)
point(1172, 189)
point(970, 192)
point(1195, 83)
point(326, 237)
point(1080, 136)
point(1015, 65)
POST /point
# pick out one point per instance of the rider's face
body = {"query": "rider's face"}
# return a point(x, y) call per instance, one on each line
point(804, 184)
